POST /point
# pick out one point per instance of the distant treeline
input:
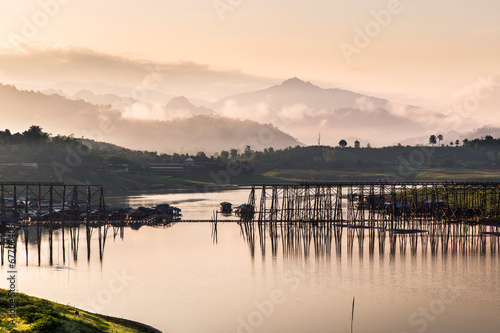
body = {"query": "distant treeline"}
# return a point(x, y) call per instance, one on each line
point(57, 156)
point(473, 154)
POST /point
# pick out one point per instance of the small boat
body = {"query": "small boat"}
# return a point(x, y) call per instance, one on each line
point(245, 211)
point(226, 207)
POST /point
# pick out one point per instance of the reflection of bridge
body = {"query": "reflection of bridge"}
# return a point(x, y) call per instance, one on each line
point(62, 240)
point(360, 203)
point(301, 239)
point(60, 212)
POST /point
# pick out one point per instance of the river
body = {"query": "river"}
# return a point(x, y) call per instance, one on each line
point(183, 278)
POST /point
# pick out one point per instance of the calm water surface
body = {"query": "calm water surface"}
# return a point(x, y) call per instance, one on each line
point(288, 279)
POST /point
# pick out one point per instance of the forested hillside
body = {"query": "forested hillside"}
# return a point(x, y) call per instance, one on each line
point(34, 155)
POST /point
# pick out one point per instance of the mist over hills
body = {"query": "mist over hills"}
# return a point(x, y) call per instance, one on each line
point(304, 110)
point(295, 91)
point(141, 89)
point(105, 99)
point(292, 112)
point(58, 114)
point(181, 106)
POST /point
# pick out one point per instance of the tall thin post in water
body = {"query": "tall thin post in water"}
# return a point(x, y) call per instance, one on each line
point(26, 239)
point(87, 224)
point(352, 314)
point(89, 208)
point(214, 227)
point(63, 221)
point(39, 242)
point(51, 199)
point(26, 203)
point(99, 221)
point(14, 208)
point(88, 232)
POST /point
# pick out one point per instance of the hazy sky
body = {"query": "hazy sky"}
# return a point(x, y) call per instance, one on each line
point(420, 50)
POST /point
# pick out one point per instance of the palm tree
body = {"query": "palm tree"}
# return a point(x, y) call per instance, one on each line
point(440, 138)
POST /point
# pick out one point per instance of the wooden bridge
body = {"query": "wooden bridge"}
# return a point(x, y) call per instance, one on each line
point(51, 202)
point(58, 204)
point(364, 202)
point(353, 203)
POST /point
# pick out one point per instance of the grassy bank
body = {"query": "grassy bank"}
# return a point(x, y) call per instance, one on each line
point(126, 184)
point(423, 174)
point(143, 182)
point(39, 316)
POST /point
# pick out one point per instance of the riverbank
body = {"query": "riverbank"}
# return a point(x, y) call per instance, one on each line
point(151, 182)
point(39, 315)
point(123, 184)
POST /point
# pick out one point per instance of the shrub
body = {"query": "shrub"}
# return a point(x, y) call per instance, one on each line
point(47, 324)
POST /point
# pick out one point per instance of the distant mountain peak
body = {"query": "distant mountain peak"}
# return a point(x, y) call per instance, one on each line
point(296, 82)
point(179, 102)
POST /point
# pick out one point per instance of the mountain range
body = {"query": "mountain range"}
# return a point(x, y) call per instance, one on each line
point(209, 133)
point(305, 110)
point(291, 113)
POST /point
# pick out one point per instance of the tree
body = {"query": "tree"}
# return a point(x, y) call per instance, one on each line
point(457, 142)
point(5, 136)
point(233, 153)
point(248, 151)
point(35, 133)
point(357, 144)
point(440, 138)
point(224, 155)
point(432, 139)
point(343, 143)
point(451, 143)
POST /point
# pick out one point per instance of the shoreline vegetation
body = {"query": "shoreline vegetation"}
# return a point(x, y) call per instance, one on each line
point(36, 315)
point(36, 156)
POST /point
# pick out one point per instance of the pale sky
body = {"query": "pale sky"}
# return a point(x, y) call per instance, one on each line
point(424, 52)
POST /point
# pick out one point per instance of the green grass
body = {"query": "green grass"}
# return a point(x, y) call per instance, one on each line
point(128, 183)
point(144, 182)
point(458, 174)
point(325, 175)
point(36, 315)
point(428, 174)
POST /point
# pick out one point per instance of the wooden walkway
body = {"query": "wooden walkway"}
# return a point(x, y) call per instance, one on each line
point(359, 202)
point(58, 224)
point(205, 221)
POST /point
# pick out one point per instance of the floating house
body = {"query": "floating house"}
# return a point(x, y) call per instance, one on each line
point(226, 207)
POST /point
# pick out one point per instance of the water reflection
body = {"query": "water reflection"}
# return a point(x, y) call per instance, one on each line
point(214, 232)
point(325, 240)
point(55, 240)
